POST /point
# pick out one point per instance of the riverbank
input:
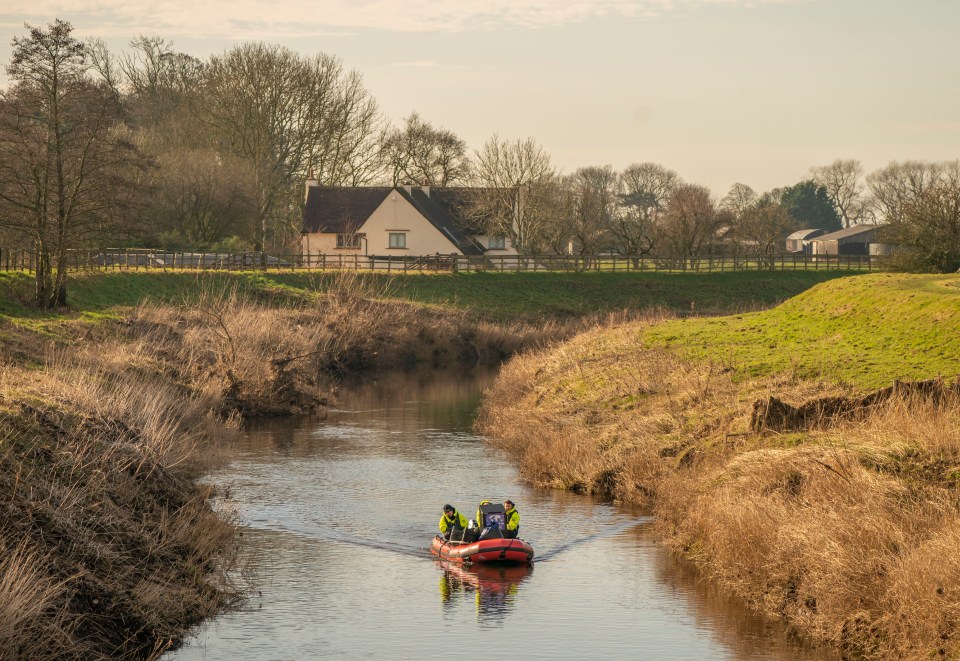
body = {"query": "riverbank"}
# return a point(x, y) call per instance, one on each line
point(110, 409)
point(110, 548)
point(843, 522)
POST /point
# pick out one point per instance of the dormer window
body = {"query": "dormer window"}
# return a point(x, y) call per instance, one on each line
point(498, 242)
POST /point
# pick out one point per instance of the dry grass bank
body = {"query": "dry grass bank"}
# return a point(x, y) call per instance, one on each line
point(108, 546)
point(848, 530)
point(259, 359)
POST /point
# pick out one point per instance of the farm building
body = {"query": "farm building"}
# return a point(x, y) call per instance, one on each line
point(800, 240)
point(854, 240)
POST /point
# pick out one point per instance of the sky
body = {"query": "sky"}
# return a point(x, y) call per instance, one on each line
point(722, 91)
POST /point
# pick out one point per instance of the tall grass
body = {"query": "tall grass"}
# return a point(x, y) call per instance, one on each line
point(110, 549)
point(848, 534)
point(845, 530)
point(255, 358)
point(30, 594)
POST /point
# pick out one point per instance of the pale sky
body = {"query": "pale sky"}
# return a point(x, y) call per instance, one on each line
point(722, 91)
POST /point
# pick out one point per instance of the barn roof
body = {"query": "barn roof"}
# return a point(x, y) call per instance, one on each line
point(800, 235)
point(848, 232)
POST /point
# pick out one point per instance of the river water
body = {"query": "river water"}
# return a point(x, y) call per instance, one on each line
point(339, 515)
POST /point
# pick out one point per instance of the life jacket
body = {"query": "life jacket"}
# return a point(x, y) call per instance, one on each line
point(453, 523)
point(510, 516)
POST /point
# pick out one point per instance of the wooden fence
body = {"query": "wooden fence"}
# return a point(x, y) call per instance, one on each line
point(156, 260)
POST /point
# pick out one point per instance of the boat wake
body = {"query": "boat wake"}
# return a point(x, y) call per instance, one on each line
point(327, 534)
point(612, 531)
point(416, 548)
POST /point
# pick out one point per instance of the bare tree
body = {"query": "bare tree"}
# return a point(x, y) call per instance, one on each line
point(347, 151)
point(105, 64)
point(592, 195)
point(738, 200)
point(764, 224)
point(202, 197)
point(287, 114)
point(899, 185)
point(691, 221)
point(929, 224)
point(557, 233)
point(843, 181)
point(64, 155)
point(644, 189)
point(650, 184)
point(516, 190)
point(420, 153)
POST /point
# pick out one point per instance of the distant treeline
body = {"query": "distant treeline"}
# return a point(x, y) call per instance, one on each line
point(152, 146)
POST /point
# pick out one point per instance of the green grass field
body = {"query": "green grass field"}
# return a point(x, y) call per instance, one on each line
point(866, 331)
point(495, 296)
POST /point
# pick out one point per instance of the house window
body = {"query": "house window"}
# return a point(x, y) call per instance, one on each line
point(498, 242)
point(398, 240)
point(348, 241)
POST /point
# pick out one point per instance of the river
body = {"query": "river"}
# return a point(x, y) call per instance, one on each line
point(339, 513)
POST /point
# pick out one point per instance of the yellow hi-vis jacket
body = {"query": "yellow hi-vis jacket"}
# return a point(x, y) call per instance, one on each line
point(513, 519)
point(479, 518)
point(456, 521)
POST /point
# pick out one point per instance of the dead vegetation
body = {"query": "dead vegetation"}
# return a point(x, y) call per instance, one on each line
point(259, 359)
point(108, 546)
point(840, 515)
point(773, 414)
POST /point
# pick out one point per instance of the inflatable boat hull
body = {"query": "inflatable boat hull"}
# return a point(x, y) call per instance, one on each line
point(499, 550)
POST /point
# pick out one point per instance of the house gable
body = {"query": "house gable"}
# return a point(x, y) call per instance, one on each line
point(441, 207)
point(396, 215)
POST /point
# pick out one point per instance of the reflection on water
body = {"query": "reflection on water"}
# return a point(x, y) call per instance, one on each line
point(492, 588)
point(341, 513)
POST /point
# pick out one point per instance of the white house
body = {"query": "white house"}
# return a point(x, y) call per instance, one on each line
point(396, 222)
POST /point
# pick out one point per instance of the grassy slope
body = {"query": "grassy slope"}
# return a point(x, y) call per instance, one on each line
point(495, 296)
point(864, 331)
point(843, 530)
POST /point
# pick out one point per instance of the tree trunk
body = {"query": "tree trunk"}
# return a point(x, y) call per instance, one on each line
point(45, 289)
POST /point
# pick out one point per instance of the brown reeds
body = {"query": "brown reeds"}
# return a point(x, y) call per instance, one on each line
point(261, 359)
point(109, 538)
point(108, 547)
point(846, 528)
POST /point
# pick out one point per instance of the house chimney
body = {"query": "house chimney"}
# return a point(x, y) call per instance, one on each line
point(426, 189)
point(408, 186)
point(311, 181)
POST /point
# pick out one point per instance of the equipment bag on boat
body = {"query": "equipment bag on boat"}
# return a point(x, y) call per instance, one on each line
point(492, 520)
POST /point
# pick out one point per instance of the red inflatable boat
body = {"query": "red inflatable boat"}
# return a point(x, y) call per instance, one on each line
point(495, 550)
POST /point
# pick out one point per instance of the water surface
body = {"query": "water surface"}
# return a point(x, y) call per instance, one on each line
point(340, 514)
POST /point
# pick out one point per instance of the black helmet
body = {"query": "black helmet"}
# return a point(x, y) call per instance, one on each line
point(448, 508)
